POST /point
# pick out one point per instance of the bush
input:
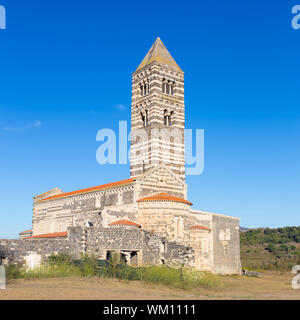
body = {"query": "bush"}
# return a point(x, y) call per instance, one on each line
point(13, 271)
point(270, 247)
point(88, 266)
point(61, 258)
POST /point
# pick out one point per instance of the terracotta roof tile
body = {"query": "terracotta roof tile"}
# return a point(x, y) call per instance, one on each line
point(27, 231)
point(199, 227)
point(81, 191)
point(124, 222)
point(164, 197)
point(49, 235)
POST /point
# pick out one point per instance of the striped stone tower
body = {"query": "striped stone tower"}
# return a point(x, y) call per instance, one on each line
point(157, 113)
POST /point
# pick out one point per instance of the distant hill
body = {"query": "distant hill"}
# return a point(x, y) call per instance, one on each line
point(243, 229)
point(265, 248)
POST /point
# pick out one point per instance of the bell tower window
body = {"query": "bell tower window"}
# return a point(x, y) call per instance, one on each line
point(164, 86)
point(144, 115)
point(168, 117)
point(145, 88)
point(171, 118)
point(168, 87)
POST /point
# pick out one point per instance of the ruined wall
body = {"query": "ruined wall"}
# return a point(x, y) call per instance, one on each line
point(150, 248)
point(200, 241)
point(17, 250)
point(226, 245)
point(173, 221)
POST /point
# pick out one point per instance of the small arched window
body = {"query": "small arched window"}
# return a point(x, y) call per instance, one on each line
point(164, 86)
point(179, 227)
point(171, 118)
point(172, 88)
point(168, 117)
point(145, 87)
point(145, 118)
point(168, 87)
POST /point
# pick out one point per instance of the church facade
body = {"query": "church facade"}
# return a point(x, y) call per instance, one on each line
point(146, 218)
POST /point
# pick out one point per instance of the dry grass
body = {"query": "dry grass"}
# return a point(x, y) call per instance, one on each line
point(272, 285)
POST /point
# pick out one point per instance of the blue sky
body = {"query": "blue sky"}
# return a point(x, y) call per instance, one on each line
point(65, 66)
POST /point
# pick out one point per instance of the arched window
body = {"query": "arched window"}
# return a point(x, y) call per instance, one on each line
point(172, 88)
point(171, 118)
point(142, 89)
point(145, 87)
point(166, 120)
point(168, 117)
point(144, 116)
point(146, 120)
point(164, 86)
point(178, 227)
point(168, 87)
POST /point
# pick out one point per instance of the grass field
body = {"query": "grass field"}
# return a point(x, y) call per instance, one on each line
point(272, 285)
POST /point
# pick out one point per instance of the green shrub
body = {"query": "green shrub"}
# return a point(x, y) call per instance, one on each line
point(61, 258)
point(88, 266)
point(13, 271)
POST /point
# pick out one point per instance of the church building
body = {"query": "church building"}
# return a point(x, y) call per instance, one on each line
point(146, 218)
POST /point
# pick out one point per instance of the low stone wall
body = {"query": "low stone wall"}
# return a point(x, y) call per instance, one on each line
point(17, 250)
point(141, 245)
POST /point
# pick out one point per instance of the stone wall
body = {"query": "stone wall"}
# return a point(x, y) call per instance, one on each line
point(149, 248)
point(200, 241)
point(226, 245)
point(166, 219)
point(173, 221)
point(160, 179)
point(58, 214)
point(145, 248)
point(17, 250)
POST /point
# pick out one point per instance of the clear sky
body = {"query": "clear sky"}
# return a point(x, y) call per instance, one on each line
point(65, 73)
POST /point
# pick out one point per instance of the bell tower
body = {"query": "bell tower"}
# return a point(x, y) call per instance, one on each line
point(157, 113)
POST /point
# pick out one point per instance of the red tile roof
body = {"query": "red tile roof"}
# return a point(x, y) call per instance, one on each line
point(164, 197)
point(27, 231)
point(199, 227)
point(124, 222)
point(50, 235)
point(81, 191)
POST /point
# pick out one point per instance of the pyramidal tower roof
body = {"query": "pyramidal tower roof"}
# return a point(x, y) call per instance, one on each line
point(158, 53)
